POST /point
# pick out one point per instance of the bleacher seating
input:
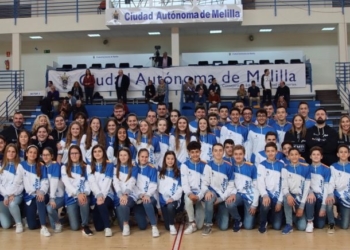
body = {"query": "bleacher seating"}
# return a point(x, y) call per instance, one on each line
point(124, 65)
point(215, 63)
point(232, 62)
point(110, 65)
point(264, 61)
point(280, 61)
point(81, 66)
point(203, 63)
point(67, 66)
point(294, 61)
point(96, 66)
point(138, 66)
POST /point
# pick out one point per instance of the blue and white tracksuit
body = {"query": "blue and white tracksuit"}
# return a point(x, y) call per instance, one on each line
point(169, 187)
point(64, 150)
point(281, 130)
point(123, 185)
point(181, 153)
point(132, 136)
point(193, 125)
point(207, 141)
point(153, 148)
point(237, 133)
point(261, 156)
point(164, 147)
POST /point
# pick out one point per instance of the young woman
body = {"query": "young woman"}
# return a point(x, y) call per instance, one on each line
point(77, 190)
point(146, 188)
point(170, 190)
point(145, 139)
point(174, 116)
point(9, 207)
point(163, 140)
point(23, 143)
point(56, 188)
point(33, 176)
point(41, 120)
point(110, 130)
point(344, 130)
point(100, 175)
point(81, 118)
point(206, 138)
point(94, 135)
point(179, 140)
point(77, 91)
point(42, 141)
point(133, 127)
point(124, 180)
point(122, 141)
point(2, 147)
point(297, 135)
point(89, 84)
point(74, 137)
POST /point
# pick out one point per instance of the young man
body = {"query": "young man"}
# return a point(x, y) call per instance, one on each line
point(234, 130)
point(247, 114)
point(199, 112)
point(162, 112)
point(303, 110)
point(246, 187)
point(270, 113)
point(119, 115)
point(261, 156)
point(192, 172)
point(286, 146)
point(240, 105)
point(269, 185)
point(254, 94)
point(281, 125)
point(213, 123)
point(316, 207)
point(60, 130)
point(295, 187)
point(213, 108)
point(338, 191)
point(221, 191)
point(152, 119)
point(223, 115)
point(228, 147)
point(266, 86)
point(256, 135)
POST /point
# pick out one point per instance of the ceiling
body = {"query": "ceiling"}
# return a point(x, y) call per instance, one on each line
point(185, 29)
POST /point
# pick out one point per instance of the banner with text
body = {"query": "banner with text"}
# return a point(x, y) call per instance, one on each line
point(175, 14)
point(228, 77)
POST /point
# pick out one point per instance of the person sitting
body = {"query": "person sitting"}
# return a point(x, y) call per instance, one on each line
point(254, 94)
point(214, 98)
point(54, 97)
point(214, 86)
point(242, 94)
point(200, 86)
point(161, 91)
point(46, 107)
point(189, 90)
point(281, 102)
point(150, 91)
point(79, 107)
point(201, 99)
point(64, 108)
point(283, 90)
point(71, 98)
point(77, 91)
point(49, 85)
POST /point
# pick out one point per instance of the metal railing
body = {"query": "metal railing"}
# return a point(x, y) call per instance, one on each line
point(343, 92)
point(44, 8)
point(342, 79)
point(308, 74)
point(11, 79)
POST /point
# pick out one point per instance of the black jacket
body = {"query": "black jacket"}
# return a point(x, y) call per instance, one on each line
point(285, 92)
point(48, 143)
point(11, 134)
point(58, 136)
point(80, 91)
point(327, 139)
point(204, 87)
point(76, 110)
point(124, 84)
point(298, 142)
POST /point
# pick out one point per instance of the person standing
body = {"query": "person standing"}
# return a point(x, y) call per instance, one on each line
point(122, 83)
point(266, 86)
point(165, 61)
point(89, 84)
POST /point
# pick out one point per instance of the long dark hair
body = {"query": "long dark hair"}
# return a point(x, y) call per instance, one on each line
point(101, 137)
point(93, 159)
point(37, 160)
point(176, 170)
point(198, 133)
point(303, 128)
point(127, 142)
point(129, 163)
point(50, 150)
point(70, 163)
point(177, 133)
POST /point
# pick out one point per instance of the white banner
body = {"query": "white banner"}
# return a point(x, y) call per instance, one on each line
point(175, 14)
point(228, 77)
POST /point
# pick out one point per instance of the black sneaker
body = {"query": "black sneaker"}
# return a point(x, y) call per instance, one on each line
point(330, 229)
point(263, 227)
point(237, 226)
point(87, 231)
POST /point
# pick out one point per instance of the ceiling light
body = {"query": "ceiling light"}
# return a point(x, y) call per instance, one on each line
point(265, 30)
point(93, 35)
point(328, 28)
point(154, 33)
point(35, 37)
point(215, 31)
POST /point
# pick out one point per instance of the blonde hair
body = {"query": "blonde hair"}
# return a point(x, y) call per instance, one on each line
point(36, 124)
point(6, 161)
point(341, 133)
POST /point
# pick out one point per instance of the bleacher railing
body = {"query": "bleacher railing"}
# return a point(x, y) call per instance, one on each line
point(44, 8)
point(342, 79)
point(11, 80)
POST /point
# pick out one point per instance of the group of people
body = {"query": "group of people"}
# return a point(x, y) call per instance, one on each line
point(165, 164)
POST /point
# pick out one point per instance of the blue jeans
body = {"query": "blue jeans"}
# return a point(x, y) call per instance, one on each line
point(100, 214)
point(268, 214)
point(32, 209)
point(145, 209)
point(77, 212)
point(312, 211)
point(344, 215)
point(249, 219)
point(300, 222)
point(169, 213)
point(123, 212)
point(12, 211)
point(53, 213)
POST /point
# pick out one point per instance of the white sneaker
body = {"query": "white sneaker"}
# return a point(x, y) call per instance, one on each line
point(172, 230)
point(45, 232)
point(108, 232)
point(58, 228)
point(155, 232)
point(309, 227)
point(19, 228)
point(191, 228)
point(126, 230)
point(24, 222)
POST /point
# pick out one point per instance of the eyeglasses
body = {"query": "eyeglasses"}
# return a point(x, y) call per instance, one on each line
point(73, 153)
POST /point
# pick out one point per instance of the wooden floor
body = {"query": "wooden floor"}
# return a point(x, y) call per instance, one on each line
point(143, 240)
